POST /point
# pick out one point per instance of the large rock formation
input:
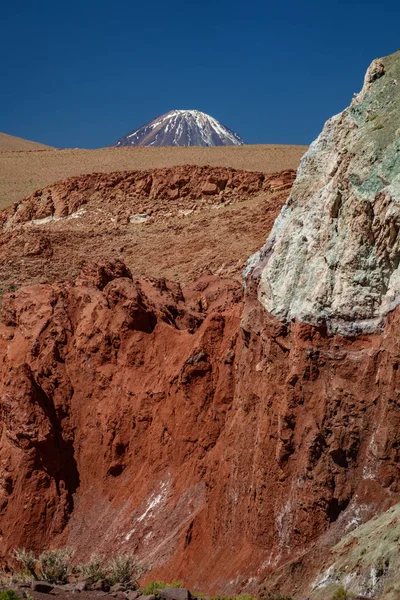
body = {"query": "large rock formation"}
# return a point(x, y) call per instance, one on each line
point(333, 255)
point(139, 417)
point(229, 445)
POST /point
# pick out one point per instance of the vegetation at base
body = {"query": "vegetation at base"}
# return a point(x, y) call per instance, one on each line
point(342, 594)
point(93, 570)
point(153, 586)
point(8, 595)
point(237, 597)
point(123, 568)
point(56, 566)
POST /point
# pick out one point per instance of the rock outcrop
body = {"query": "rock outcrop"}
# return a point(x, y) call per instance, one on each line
point(137, 416)
point(175, 222)
point(333, 254)
point(230, 442)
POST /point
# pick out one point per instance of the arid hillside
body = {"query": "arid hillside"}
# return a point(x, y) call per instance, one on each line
point(10, 143)
point(177, 223)
point(23, 173)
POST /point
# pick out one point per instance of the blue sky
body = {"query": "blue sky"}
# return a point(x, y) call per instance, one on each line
point(83, 73)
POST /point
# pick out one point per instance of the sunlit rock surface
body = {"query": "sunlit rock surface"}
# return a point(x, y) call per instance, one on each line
point(333, 254)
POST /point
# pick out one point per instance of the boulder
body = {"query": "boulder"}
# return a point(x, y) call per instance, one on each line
point(132, 594)
point(68, 587)
point(118, 587)
point(210, 189)
point(101, 585)
point(171, 593)
point(44, 587)
point(82, 586)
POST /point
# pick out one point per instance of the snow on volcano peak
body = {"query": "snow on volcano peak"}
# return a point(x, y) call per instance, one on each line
point(182, 128)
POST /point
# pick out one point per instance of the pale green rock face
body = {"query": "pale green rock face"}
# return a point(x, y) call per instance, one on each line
point(334, 252)
point(366, 561)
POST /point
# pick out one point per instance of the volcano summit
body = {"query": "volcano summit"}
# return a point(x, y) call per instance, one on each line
point(181, 128)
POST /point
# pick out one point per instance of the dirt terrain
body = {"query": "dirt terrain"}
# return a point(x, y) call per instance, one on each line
point(174, 223)
point(10, 143)
point(21, 173)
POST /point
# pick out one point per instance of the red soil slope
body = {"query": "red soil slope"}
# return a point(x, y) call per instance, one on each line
point(214, 442)
point(188, 425)
point(176, 223)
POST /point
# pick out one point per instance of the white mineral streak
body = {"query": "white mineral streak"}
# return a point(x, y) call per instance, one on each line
point(333, 253)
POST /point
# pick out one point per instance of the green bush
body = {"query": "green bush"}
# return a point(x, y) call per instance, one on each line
point(278, 597)
point(55, 565)
point(29, 562)
point(151, 587)
point(22, 577)
point(341, 594)
point(8, 595)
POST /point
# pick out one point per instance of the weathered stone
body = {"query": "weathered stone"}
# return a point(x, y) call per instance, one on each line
point(102, 585)
point(210, 188)
point(42, 586)
point(66, 587)
point(132, 594)
point(333, 254)
point(171, 593)
point(81, 586)
point(118, 587)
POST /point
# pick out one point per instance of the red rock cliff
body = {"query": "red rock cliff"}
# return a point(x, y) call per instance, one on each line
point(139, 416)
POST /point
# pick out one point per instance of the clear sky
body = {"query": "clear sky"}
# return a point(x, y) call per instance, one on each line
point(83, 73)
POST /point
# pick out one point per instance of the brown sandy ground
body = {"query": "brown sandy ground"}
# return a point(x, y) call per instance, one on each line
point(10, 143)
point(21, 173)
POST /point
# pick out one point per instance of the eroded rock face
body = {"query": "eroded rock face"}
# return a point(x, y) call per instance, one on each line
point(113, 394)
point(186, 426)
point(334, 251)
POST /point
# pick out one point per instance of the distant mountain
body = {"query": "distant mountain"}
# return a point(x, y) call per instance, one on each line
point(182, 128)
point(10, 143)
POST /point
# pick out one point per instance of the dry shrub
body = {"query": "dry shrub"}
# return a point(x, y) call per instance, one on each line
point(55, 565)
